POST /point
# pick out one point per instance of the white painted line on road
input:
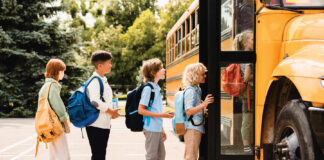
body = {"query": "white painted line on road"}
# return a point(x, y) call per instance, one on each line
point(22, 153)
point(18, 143)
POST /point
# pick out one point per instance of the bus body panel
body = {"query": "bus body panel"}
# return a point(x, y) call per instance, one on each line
point(305, 27)
point(269, 33)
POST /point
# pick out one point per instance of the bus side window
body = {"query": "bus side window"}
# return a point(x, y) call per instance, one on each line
point(183, 40)
point(197, 27)
point(172, 47)
point(187, 34)
point(226, 24)
point(193, 29)
point(167, 51)
point(176, 43)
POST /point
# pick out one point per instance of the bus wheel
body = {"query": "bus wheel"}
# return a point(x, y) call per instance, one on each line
point(293, 137)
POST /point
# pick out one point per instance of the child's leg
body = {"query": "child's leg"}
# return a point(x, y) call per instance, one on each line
point(59, 148)
point(161, 151)
point(192, 141)
point(98, 139)
point(152, 144)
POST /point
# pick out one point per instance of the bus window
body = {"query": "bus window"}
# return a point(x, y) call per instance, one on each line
point(237, 111)
point(226, 24)
point(197, 27)
point(236, 17)
point(172, 48)
point(176, 43)
point(193, 29)
point(179, 43)
point(183, 43)
point(188, 34)
point(167, 51)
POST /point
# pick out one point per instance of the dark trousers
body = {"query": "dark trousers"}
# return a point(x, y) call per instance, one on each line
point(98, 139)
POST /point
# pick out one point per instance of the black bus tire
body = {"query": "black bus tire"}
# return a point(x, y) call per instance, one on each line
point(293, 118)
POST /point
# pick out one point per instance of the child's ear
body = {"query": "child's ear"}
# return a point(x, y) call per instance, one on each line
point(152, 74)
point(99, 65)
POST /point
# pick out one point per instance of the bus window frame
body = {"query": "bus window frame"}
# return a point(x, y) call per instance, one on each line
point(183, 38)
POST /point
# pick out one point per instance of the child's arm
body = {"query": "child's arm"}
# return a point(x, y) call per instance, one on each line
point(209, 99)
point(56, 102)
point(143, 111)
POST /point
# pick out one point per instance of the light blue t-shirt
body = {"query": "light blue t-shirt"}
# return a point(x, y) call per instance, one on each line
point(155, 123)
point(192, 98)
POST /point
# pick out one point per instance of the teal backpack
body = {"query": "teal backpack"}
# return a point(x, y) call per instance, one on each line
point(180, 120)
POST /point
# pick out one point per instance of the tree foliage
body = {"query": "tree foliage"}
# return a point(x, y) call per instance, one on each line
point(27, 42)
point(133, 31)
point(124, 12)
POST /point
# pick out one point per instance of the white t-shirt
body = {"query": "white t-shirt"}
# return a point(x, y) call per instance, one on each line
point(93, 92)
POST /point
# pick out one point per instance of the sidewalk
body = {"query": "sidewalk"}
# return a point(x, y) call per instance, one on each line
point(18, 139)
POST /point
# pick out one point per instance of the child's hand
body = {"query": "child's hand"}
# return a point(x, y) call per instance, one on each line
point(208, 100)
point(164, 135)
point(167, 114)
point(67, 129)
point(115, 113)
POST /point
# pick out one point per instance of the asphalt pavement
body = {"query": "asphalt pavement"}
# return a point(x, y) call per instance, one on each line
point(18, 140)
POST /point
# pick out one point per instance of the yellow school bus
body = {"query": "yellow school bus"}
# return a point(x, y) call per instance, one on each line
point(288, 74)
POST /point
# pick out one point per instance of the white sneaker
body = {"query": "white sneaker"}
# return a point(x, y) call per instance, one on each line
point(247, 149)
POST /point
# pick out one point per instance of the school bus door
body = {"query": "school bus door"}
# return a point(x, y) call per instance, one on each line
point(225, 133)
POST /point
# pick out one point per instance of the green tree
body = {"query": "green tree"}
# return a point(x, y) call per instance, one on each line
point(124, 12)
point(138, 41)
point(110, 40)
point(170, 14)
point(27, 42)
point(74, 9)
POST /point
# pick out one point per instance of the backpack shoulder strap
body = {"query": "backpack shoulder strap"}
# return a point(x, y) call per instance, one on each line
point(100, 84)
point(48, 89)
point(152, 94)
point(195, 97)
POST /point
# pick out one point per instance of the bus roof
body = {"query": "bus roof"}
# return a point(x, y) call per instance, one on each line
point(184, 16)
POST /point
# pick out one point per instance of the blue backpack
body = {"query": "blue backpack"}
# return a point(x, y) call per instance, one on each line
point(135, 121)
point(180, 120)
point(80, 110)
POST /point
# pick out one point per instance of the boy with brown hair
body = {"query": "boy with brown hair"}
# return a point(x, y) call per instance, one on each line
point(153, 71)
point(98, 132)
